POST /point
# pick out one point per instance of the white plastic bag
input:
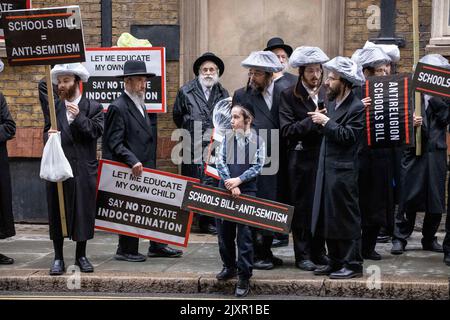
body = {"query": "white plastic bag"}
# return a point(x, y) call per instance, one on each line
point(54, 165)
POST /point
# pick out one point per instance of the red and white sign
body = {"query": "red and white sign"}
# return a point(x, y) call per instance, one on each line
point(105, 64)
point(146, 207)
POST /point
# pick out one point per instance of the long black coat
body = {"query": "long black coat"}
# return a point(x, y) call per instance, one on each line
point(287, 80)
point(376, 181)
point(129, 137)
point(191, 106)
point(268, 185)
point(423, 177)
point(79, 143)
point(303, 139)
point(336, 212)
point(7, 132)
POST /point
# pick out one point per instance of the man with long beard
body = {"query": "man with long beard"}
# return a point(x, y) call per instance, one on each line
point(80, 123)
point(130, 137)
point(336, 216)
point(263, 96)
point(303, 139)
point(193, 109)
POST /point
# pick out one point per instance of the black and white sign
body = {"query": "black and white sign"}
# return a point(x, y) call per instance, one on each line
point(389, 120)
point(147, 207)
point(8, 5)
point(252, 211)
point(44, 36)
point(432, 80)
point(104, 64)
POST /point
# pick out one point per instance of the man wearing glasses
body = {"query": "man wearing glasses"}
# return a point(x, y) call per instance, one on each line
point(336, 216)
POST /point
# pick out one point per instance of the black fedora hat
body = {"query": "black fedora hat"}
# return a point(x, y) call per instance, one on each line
point(135, 68)
point(275, 43)
point(208, 56)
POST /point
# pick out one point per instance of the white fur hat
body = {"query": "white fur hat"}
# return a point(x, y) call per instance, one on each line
point(69, 69)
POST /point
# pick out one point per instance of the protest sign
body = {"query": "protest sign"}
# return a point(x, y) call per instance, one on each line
point(389, 119)
point(432, 80)
point(148, 206)
point(104, 64)
point(252, 211)
point(44, 36)
point(8, 5)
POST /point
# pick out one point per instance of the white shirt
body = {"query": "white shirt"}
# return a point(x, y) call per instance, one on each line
point(70, 116)
point(312, 93)
point(137, 103)
point(206, 91)
point(426, 99)
point(268, 95)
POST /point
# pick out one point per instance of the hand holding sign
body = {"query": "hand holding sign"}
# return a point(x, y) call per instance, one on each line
point(417, 120)
point(232, 183)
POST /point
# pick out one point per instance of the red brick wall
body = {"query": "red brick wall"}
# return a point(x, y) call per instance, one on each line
point(19, 84)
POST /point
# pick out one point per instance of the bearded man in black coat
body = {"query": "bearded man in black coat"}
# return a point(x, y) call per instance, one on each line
point(336, 216)
point(80, 123)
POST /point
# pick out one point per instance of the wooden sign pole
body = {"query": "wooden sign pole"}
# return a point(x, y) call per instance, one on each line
point(54, 126)
point(416, 47)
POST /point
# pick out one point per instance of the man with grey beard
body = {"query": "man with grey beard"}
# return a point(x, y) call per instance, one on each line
point(193, 108)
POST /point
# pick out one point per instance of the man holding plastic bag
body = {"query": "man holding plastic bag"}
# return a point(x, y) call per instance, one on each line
point(80, 124)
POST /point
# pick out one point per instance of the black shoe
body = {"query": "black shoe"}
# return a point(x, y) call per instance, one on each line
point(277, 262)
point(447, 259)
point(242, 288)
point(321, 261)
point(433, 246)
point(57, 268)
point(383, 239)
point(6, 260)
point(263, 265)
point(130, 257)
point(397, 247)
point(372, 255)
point(165, 252)
point(306, 265)
point(325, 270)
point(276, 243)
point(345, 273)
point(226, 274)
point(84, 264)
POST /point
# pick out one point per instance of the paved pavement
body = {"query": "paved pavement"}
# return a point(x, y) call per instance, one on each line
point(417, 274)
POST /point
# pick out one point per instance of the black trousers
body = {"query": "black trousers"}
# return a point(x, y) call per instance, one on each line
point(262, 244)
point(369, 238)
point(404, 226)
point(446, 243)
point(131, 245)
point(345, 253)
point(228, 232)
point(307, 246)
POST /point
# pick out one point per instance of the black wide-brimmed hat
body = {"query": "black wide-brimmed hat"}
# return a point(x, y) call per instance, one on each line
point(275, 43)
point(209, 56)
point(135, 68)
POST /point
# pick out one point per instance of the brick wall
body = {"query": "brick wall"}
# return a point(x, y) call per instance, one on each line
point(19, 84)
point(356, 31)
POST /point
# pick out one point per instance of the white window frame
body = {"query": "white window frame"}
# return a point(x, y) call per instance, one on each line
point(440, 26)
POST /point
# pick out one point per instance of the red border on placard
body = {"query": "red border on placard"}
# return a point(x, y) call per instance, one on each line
point(369, 142)
point(163, 70)
point(28, 6)
point(168, 174)
point(406, 106)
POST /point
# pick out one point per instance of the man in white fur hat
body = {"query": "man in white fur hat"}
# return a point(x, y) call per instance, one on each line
point(336, 216)
point(80, 122)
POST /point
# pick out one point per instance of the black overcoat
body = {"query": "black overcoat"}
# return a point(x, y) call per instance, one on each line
point(336, 212)
point(7, 131)
point(268, 184)
point(302, 138)
point(79, 143)
point(423, 177)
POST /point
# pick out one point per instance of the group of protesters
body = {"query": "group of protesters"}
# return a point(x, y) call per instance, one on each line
point(346, 195)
